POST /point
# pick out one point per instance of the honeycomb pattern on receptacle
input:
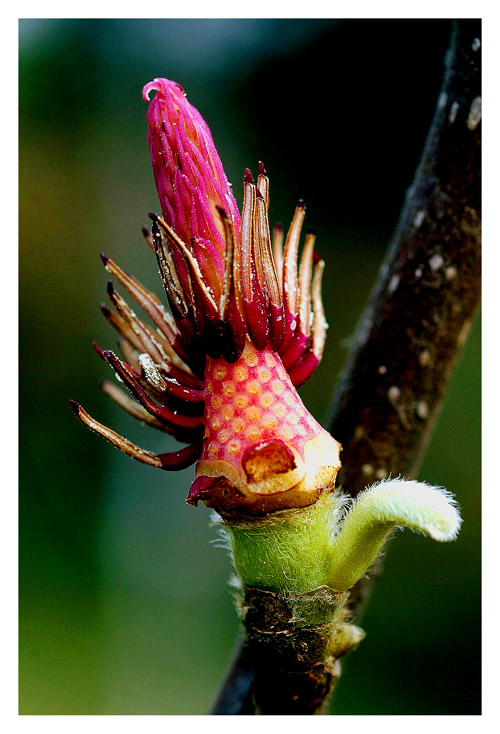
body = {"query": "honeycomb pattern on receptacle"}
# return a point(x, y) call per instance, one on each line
point(252, 401)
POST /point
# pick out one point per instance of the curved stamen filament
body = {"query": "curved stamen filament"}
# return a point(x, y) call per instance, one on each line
point(305, 276)
point(165, 415)
point(247, 236)
point(193, 263)
point(278, 251)
point(319, 322)
point(137, 373)
point(254, 288)
point(290, 291)
point(129, 353)
point(122, 327)
point(147, 300)
point(168, 273)
point(139, 328)
point(228, 264)
point(275, 306)
point(263, 184)
point(174, 460)
point(131, 407)
point(298, 345)
point(311, 359)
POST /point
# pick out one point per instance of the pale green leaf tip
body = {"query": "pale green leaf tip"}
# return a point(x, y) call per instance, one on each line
point(376, 512)
point(417, 505)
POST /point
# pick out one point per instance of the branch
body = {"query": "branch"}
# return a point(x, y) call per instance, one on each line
point(392, 387)
point(423, 302)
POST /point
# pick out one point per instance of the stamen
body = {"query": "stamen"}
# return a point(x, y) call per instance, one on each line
point(148, 237)
point(263, 184)
point(312, 358)
point(168, 385)
point(248, 178)
point(137, 373)
point(305, 275)
point(195, 268)
point(228, 264)
point(172, 461)
point(275, 307)
point(278, 251)
point(259, 246)
point(235, 309)
point(237, 285)
point(200, 300)
point(247, 234)
point(169, 417)
point(254, 296)
point(130, 354)
point(168, 274)
point(121, 443)
point(151, 373)
point(136, 324)
point(150, 341)
point(290, 291)
point(121, 326)
point(131, 407)
point(231, 326)
point(147, 300)
point(319, 322)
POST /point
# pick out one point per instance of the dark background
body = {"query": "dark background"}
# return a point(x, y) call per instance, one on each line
point(125, 607)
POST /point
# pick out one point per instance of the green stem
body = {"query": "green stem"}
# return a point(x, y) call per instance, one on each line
point(289, 551)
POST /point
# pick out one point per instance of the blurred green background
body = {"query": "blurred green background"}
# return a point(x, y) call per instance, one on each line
point(125, 607)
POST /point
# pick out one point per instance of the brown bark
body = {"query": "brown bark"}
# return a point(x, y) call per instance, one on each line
point(294, 668)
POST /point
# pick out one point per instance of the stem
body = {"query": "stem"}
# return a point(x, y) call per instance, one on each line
point(301, 536)
point(392, 387)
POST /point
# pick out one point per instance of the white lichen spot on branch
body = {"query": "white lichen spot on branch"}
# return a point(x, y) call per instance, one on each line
point(393, 283)
point(394, 393)
point(419, 218)
point(474, 117)
point(464, 331)
point(424, 358)
point(436, 262)
point(422, 409)
point(453, 112)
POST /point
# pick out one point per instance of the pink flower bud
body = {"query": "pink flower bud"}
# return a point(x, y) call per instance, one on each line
point(189, 177)
point(246, 328)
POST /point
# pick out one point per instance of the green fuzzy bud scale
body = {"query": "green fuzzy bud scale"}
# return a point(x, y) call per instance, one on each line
point(289, 551)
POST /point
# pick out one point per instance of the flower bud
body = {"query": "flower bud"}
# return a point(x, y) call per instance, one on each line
point(189, 177)
point(246, 327)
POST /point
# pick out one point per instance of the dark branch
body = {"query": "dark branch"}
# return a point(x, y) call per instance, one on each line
point(235, 696)
point(391, 389)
